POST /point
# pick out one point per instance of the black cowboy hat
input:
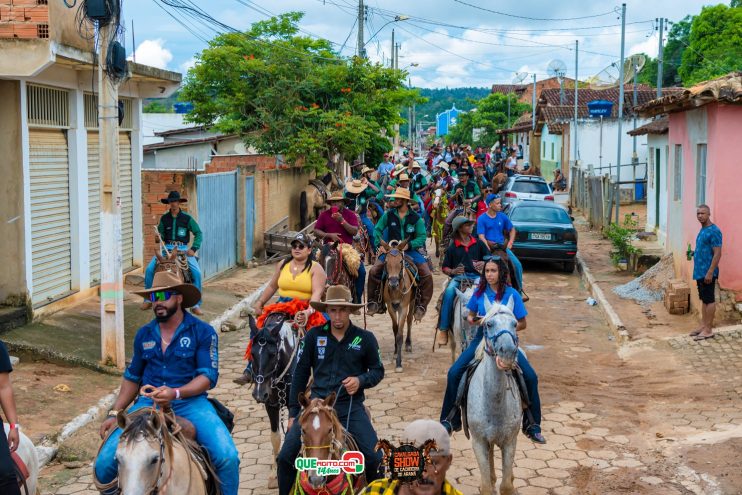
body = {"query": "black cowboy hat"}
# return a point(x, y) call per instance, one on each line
point(172, 197)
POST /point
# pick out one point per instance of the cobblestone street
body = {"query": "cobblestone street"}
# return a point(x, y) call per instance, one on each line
point(614, 422)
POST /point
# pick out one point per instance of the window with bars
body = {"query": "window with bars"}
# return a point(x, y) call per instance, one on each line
point(677, 167)
point(47, 107)
point(91, 112)
point(701, 174)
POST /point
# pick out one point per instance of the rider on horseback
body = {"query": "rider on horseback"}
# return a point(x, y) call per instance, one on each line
point(469, 189)
point(355, 192)
point(178, 354)
point(492, 286)
point(342, 359)
point(339, 224)
point(463, 260)
point(8, 480)
point(176, 226)
point(400, 223)
point(490, 229)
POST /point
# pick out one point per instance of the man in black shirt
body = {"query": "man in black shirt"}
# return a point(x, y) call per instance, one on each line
point(8, 481)
point(344, 359)
point(463, 260)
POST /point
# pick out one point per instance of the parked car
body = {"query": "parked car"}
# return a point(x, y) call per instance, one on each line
point(526, 187)
point(544, 231)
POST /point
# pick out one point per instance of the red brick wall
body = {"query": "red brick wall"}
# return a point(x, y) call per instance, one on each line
point(23, 19)
point(155, 186)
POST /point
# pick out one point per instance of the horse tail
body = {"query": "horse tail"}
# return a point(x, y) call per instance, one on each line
point(303, 210)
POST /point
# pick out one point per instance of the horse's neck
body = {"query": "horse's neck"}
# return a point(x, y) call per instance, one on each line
point(496, 380)
point(184, 478)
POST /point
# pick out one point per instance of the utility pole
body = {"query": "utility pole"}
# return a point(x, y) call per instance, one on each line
point(616, 196)
point(133, 43)
point(533, 111)
point(361, 20)
point(393, 45)
point(112, 284)
point(395, 65)
point(660, 58)
point(577, 83)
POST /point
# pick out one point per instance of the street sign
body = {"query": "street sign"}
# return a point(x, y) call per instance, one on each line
point(600, 108)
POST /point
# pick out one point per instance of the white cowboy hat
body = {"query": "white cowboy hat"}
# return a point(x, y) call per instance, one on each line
point(400, 193)
point(337, 295)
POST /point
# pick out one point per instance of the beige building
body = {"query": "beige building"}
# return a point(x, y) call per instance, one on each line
point(50, 238)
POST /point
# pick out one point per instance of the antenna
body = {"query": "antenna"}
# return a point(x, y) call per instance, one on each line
point(558, 69)
point(608, 77)
point(520, 77)
point(632, 66)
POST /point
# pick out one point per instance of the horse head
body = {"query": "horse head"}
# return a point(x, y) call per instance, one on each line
point(322, 435)
point(142, 453)
point(394, 262)
point(500, 337)
point(272, 349)
point(437, 195)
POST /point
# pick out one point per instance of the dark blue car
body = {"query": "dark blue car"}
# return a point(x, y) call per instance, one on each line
point(544, 232)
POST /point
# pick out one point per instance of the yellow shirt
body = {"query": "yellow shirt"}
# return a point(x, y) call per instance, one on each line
point(299, 287)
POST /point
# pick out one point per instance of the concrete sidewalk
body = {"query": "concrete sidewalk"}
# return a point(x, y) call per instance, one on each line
point(73, 335)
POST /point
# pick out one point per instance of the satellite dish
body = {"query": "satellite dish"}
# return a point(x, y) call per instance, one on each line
point(520, 77)
point(632, 66)
point(609, 77)
point(557, 69)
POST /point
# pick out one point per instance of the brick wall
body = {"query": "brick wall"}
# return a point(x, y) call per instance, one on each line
point(24, 19)
point(155, 186)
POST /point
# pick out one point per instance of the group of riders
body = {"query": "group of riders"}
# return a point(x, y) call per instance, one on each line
point(395, 204)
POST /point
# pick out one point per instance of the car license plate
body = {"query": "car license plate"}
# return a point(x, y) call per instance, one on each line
point(541, 237)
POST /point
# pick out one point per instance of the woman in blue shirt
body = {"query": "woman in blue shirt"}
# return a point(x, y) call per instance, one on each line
point(494, 287)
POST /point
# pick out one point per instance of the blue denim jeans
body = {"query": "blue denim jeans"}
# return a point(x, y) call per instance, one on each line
point(518, 268)
point(369, 229)
point(449, 295)
point(456, 372)
point(149, 273)
point(210, 433)
point(360, 283)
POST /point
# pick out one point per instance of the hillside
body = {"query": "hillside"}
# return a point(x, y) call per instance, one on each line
point(440, 100)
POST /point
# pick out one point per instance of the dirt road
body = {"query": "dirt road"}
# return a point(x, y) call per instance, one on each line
point(661, 418)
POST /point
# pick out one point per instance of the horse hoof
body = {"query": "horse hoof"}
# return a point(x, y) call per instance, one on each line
point(408, 348)
point(272, 482)
point(398, 369)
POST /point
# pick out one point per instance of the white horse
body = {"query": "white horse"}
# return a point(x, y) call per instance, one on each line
point(462, 331)
point(27, 452)
point(494, 412)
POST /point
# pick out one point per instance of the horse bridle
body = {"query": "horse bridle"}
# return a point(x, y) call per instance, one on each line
point(396, 252)
point(489, 347)
point(262, 342)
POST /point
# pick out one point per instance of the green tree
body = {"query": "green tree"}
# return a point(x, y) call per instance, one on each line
point(715, 44)
point(491, 114)
point(156, 107)
point(648, 75)
point(677, 41)
point(736, 3)
point(291, 94)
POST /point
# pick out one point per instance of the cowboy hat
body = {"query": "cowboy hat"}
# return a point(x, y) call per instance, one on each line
point(367, 169)
point(172, 197)
point(167, 280)
point(400, 193)
point(357, 163)
point(459, 221)
point(337, 196)
point(355, 186)
point(416, 164)
point(337, 295)
point(403, 176)
point(443, 165)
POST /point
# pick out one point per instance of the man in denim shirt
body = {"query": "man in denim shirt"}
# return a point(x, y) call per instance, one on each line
point(706, 270)
point(178, 354)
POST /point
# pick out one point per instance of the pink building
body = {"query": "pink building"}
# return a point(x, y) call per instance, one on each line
point(704, 166)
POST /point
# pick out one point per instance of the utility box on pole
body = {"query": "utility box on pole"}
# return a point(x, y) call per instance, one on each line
point(112, 282)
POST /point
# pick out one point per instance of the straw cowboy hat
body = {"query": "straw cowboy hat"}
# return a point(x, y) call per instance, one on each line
point(400, 193)
point(366, 170)
point(172, 197)
point(355, 186)
point(337, 295)
point(403, 176)
point(337, 196)
point(443, 166)
point(167, 280)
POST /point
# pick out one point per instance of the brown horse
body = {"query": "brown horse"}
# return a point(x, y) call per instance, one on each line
point(313, 198)
point(323, 437)
point(340, 262)
point(399, 296)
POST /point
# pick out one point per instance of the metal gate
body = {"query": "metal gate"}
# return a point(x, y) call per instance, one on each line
point(217, 217)
point(249, 216)
point(94, 207)
point(127, 203)
point(51, 242)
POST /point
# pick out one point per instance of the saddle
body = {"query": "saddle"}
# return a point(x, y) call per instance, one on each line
point(462, 392)
point(320, 186)
point(21, 471)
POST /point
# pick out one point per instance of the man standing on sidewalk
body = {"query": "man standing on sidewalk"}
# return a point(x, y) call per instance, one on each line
point(706, 270)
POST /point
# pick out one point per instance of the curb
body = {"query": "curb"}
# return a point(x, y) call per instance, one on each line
point(614, 321)
point(49, 447)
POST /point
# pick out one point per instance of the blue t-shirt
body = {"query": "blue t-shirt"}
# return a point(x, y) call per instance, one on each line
point(476, 303)
point(707, 239)
point(493, 228)
point(385, 168)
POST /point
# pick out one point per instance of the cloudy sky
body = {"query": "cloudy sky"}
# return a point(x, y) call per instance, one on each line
point(454, 42)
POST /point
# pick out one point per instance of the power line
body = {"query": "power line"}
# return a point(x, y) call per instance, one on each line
point(534, 18)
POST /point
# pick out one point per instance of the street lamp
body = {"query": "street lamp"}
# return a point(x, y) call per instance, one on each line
point(396, 19)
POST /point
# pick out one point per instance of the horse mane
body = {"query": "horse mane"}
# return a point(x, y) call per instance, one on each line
point(343, 439)
point(140, 424)
point(495, 309)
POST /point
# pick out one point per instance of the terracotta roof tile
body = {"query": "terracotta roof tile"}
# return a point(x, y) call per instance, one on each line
point(726, 89)
point(659, 126)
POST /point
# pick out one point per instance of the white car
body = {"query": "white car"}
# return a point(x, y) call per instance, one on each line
point(526, 188)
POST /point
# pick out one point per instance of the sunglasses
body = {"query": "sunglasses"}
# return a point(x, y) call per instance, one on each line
point(161, 295)
point(492, 257)
point(297, 245)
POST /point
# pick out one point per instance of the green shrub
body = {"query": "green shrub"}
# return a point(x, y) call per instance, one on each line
point(621, 237)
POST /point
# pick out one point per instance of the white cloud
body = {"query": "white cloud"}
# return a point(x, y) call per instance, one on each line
point(187, 65)
point(650, 46)
point(153, 53)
